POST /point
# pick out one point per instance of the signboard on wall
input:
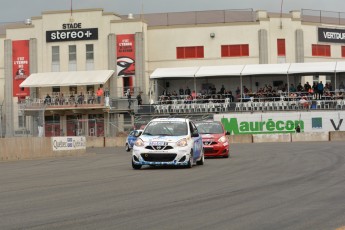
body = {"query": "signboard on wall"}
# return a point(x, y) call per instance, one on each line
point(72, 35)
point(270, 123)
point(125, 49)
point(68, 143)
point(20, 67)
point(331, 35)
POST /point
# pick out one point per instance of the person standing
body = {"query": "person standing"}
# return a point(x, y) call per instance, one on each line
point(129, 97)
point(99, 95)
point(139, 99)
point(320, 90)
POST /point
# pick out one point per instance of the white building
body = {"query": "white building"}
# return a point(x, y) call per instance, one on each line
point(93, 40)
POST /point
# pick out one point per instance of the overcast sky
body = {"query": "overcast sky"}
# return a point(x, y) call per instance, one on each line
point(19, 10)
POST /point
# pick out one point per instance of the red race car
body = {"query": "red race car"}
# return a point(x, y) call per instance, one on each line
point(214, 138)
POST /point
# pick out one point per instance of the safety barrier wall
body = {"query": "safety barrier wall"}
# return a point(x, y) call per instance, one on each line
point(321, 136)
point(243, 138)
point(336, 136)
point(18, 148)
point(281, 137)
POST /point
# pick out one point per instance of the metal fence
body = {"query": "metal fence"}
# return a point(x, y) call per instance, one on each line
point(198, 17)
point(322, 16)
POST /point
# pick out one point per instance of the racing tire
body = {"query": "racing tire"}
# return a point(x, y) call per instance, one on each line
point(127, 147)
point(190, 161)
point(227, 155)
point(134, 166)
point(202, 160)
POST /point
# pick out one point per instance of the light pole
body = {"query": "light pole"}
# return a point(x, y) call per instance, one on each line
point(281, 14)
point(1, 118)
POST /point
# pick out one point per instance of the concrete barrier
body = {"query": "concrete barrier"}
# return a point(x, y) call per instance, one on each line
point(319, 136)
point(281, 137)
point(92, 142)
point(115, 141)
point(337, 136)
point(242, 138)
point(18, 148)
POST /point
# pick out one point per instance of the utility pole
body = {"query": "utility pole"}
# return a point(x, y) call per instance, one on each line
point(1, 118)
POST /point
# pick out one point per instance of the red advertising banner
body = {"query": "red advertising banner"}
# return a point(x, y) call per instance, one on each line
point(20, 58)
point(125, 55)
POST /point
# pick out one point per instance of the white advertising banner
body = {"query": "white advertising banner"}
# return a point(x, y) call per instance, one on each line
point(282, 122)
point(68, 143)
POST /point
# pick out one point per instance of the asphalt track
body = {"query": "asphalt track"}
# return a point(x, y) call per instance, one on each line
point(261, 186)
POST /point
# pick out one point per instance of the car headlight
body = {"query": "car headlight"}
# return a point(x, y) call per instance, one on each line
point(182, 143)
point(222, 139)
point(139, 143)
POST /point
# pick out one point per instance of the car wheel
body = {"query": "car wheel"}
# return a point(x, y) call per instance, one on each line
point(226, 156)
point(127, 147)
point(136, 166)
point(202, 159)
point(190, 161)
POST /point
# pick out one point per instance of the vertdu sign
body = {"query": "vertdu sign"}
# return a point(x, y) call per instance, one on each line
point(71, 32)
point(331, 35)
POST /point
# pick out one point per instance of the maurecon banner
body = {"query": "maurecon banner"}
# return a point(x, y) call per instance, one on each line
point(68, 143)
point(331, 35)
point(271, 123)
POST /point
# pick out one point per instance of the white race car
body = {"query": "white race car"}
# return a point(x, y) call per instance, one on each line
point(168, 141)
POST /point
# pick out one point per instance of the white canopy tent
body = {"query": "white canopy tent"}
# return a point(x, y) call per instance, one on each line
point(266, 69)
point(285, 69)
point(250, 69)
point(181, 72)
point(312, 67)
point(50, 79)
point(225, 70)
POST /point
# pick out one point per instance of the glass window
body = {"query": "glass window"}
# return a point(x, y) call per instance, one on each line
point(55, 59)
point(72, 53)
point(281, 47)
point(21, 121)
point(55, 54)
point(190, 52)
point(235, 50)
point(321, 50)
point(89, 52)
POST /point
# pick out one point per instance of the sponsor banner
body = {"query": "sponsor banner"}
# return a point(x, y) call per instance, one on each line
point(72, 35)
point(125, 49)
point(331, 35)
point(68, 143)
point(20, 66)
point(270, 123)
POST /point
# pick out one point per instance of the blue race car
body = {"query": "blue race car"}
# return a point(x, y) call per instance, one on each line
point(131, 138)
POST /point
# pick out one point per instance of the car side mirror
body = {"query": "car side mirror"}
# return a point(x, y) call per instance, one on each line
point(227, 133)
point(195, 134)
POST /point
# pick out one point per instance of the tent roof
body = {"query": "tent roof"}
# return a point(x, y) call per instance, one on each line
point(67, 78)
point(224, 70)
point(312, 67)
point(340, 67)
point(250, 69)
point(265, 69)
point(174, 72)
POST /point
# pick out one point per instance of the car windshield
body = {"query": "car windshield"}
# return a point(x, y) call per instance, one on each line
point(209, 128)
point(166, 128)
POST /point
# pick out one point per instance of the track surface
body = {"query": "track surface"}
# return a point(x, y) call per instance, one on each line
point(261, 186)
